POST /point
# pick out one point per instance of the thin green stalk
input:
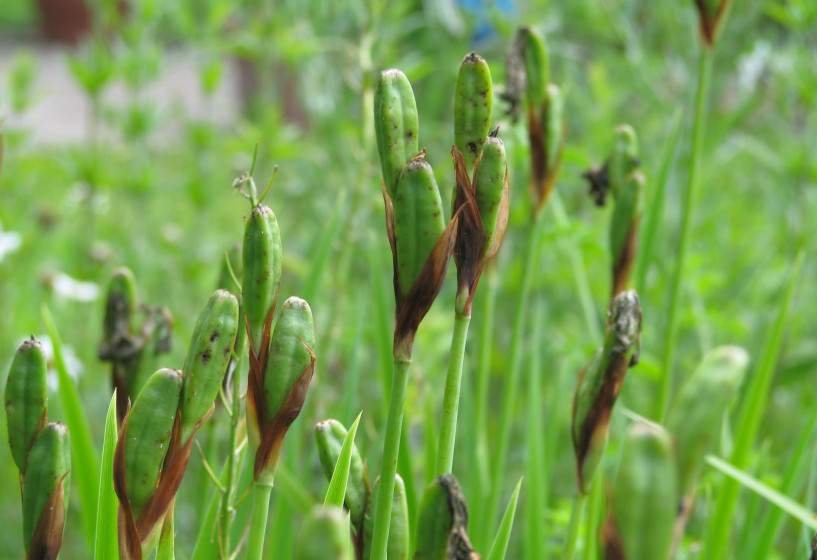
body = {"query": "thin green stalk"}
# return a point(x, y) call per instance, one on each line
point(535, 465)
point(509, 404)
point(575, 523)
point(594, 517)
point(232, 465)
point(690, 196)
point(388, 467)
point(451, 398)
point(258, 527)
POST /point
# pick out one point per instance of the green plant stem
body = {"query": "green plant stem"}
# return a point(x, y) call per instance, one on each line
point(690, 196)
point(258, 526)
point(574, 525)
point(509, 404)
point(226, 512)
point(594, 517)
point(388, 466)
point(451, 398)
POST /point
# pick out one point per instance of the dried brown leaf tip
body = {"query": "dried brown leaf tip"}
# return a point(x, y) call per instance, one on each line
point(710, 13)
point(600, 383)
point(442, 523)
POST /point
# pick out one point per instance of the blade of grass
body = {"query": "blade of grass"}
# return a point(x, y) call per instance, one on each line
point(789, 506)
point(336, 493)
point(751, 414)
point(503, 535)
point(657, 199)
point(206, 546)
point(106, 540)
point(166, 539)
point(85, 468)
point(690, 197)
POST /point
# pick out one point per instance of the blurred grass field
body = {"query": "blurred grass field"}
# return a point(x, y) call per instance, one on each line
point(164, 206)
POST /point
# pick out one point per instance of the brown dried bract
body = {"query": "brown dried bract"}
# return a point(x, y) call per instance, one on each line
point(543, 172)
point(709, 20)
point(47, 537)
point(459, 545)
point(623, 263)
point(611, 541)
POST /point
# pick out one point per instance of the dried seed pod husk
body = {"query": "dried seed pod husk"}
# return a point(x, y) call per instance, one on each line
point(442, 523)
point(26, 399)
point(147, 434)
point(324, 536)
point(276, 394)
point(482, 207)
point(624, 229)
point(45, 492)
point(710, 13)
point(696, 415)
point(262, 267)
point(473, 104)
point(396, 125)
point(398, 543)
point(208, 356)
point(645, 494)
point(329, 436)
point(600, 383)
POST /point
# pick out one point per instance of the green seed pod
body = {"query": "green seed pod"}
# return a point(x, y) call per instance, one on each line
point(398, 544)
point(45, 495)
point(120, 306)
point(537, 66)
point(285, 384)
point(262, 256)
point(624, 158)
point(473, 103)
point(396, 125)
point(623, 228)
point(490, 188)
point(26, 394)
point(149, 427)
point(600, 383)
point(698, 410)
point(208, 355)
point(554, 121)
point(645, 501)
point(442, 524)
point(418, 220)
point(329, 436)
point(325, 536)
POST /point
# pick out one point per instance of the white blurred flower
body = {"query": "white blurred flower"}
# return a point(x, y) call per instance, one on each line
point(72, 364)
point(70, 288)
point(10, 241)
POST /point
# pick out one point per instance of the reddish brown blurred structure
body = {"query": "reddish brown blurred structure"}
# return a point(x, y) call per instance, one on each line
point(64, 21)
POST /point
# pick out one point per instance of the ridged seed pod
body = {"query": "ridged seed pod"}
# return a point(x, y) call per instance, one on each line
point(148, 431)
point(623, 159)
point(324, 536)
point(262, 256)
point(645, 494)
point(45, 496)
point(537, 66)
point(398, 543)
point(276, 403)
point(491, 192)
point(396, 125)
point(208, 355)
point(418, 220)
point(600, 383)
point(26, 395)
point(120, 305)
point(442, 523)
point(329, 435)
point(473, 104)
point(696, 415)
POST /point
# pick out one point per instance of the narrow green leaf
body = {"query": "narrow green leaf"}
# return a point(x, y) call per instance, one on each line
point(106, 544)
point(85, 468)
point(503, 535)
point(206, 546)
point(535, 464)
point(337, 486)
point(794, 509)
point(166, 540)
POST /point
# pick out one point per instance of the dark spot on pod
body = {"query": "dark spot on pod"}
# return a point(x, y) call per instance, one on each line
point(214, 336)
point(205, 357)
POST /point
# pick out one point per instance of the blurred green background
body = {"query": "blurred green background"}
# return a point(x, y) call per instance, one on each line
point(120, 148)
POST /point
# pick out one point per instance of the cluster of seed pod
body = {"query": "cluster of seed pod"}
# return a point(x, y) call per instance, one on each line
point(156, 435)
point(40, 449)
point(132, 351)
point(282, 359)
